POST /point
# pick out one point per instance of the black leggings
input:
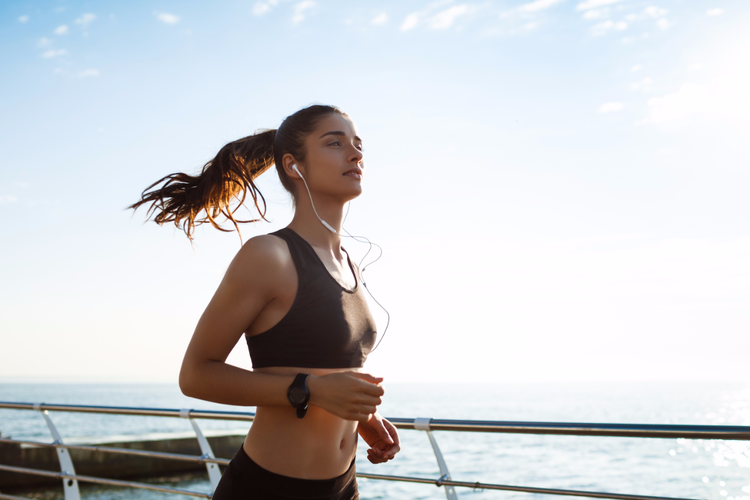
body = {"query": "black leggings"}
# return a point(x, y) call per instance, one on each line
point(246, 480)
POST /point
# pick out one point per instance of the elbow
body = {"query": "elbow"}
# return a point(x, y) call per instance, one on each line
point(186, 381)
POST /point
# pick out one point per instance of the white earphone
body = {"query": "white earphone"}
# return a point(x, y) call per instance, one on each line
point(327, 225)
point(355, 238)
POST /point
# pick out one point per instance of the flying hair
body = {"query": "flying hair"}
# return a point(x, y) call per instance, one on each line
point(191, 200)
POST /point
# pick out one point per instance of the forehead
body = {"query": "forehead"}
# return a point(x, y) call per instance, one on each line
point(335, 122)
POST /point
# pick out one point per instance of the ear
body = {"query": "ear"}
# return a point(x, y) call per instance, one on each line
point(287, 161)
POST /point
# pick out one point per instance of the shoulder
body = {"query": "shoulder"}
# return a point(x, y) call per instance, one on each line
point(266, 247)
point(262, 261)
point(263, 252)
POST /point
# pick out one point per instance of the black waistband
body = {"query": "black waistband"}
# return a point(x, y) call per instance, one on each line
point(250, 478)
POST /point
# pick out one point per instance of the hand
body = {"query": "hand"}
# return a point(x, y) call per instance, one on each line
point(381, 436)
point(349, 395)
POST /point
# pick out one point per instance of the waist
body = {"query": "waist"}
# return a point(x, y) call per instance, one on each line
point(318, 446)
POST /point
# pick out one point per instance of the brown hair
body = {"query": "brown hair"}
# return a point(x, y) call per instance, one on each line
point(182, 197)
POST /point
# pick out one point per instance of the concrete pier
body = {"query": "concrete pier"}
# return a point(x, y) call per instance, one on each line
point(112, 465)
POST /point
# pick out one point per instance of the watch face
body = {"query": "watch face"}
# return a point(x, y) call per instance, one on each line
point(297, 395)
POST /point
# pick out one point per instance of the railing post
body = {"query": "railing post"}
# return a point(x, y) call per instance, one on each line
point(423, 424)
point(214, 474)
point(70, 486)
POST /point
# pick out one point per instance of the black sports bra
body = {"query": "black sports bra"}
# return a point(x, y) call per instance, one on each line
point(327, 326)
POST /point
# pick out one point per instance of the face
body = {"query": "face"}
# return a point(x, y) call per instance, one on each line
point(334, 161)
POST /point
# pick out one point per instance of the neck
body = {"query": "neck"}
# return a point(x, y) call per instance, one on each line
point(306, 223)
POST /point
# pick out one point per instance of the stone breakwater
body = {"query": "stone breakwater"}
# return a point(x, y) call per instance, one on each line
point(111, 465)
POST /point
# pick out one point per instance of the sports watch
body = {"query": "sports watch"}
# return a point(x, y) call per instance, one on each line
point(298, 394)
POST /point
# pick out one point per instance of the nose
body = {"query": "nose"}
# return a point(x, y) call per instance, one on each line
point(357, 156)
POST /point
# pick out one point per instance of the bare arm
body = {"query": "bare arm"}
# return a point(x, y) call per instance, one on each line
point(254, 279)
point(250, 283)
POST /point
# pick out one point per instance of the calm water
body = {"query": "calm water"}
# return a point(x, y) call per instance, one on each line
point(711, 469)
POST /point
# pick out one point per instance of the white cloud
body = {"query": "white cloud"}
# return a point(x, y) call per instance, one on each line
point(44, 42)
point(530, 26)
point(715, 12)
point(85, 19)
point(23, 19)
point(695, 66)
point(167, 18)
point(262, 7)
point(537, 5)
point(594, 13)
point(642, 84)
point(445, 19)
point(88, 73)
point(381, 18)
point(602, 28)
point(631, 17)
point(54, 53)
point(592, 4)
point(655, 11)
point(619, 26)
point(8, 198)
point(410, 22)
point(636, 67)
point(610, 107)
point(663, 23)
point(723, 98)
point(61, 30)
point(299, 10)
point(688, 100)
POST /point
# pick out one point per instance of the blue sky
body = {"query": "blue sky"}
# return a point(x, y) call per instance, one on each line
point(560, 187)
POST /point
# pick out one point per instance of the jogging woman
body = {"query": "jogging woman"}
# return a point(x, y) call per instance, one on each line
point(298, 299)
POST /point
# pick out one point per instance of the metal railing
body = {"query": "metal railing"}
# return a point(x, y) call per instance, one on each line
point(70, 479)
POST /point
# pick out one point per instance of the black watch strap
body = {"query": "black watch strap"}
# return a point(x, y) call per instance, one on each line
point(298, 394)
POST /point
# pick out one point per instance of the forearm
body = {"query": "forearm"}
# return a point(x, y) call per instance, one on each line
point(219, 382)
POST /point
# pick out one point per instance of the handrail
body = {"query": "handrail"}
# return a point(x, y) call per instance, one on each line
point(131, 410)
point(732, 432)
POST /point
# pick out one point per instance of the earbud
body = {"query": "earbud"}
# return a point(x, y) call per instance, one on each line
point(355, 238)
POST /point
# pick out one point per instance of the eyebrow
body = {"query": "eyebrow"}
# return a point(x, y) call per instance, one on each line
point(338, 132)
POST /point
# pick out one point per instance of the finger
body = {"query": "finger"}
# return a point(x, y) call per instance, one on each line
point(391, 452)
point(369, 389)
point(378, 425)
point(375, 459)
point(360, 417)
point(368, 399)
point(367, 409)
point(392, 431)
point(367, 377)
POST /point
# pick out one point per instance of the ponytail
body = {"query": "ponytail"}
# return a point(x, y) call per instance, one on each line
point(183, 197)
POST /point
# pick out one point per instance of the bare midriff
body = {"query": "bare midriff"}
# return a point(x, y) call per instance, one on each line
point(318, 446)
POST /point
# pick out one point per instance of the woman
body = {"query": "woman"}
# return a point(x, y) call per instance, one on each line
point(297, 298)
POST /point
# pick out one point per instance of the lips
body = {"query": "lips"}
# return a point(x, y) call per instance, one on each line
point(354, 172)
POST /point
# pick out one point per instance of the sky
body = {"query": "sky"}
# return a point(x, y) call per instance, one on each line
point(559, 186)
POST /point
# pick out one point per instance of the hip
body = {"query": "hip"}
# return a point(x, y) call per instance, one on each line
point(247, 480)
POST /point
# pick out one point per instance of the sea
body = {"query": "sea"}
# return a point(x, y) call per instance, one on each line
point(680, 468)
